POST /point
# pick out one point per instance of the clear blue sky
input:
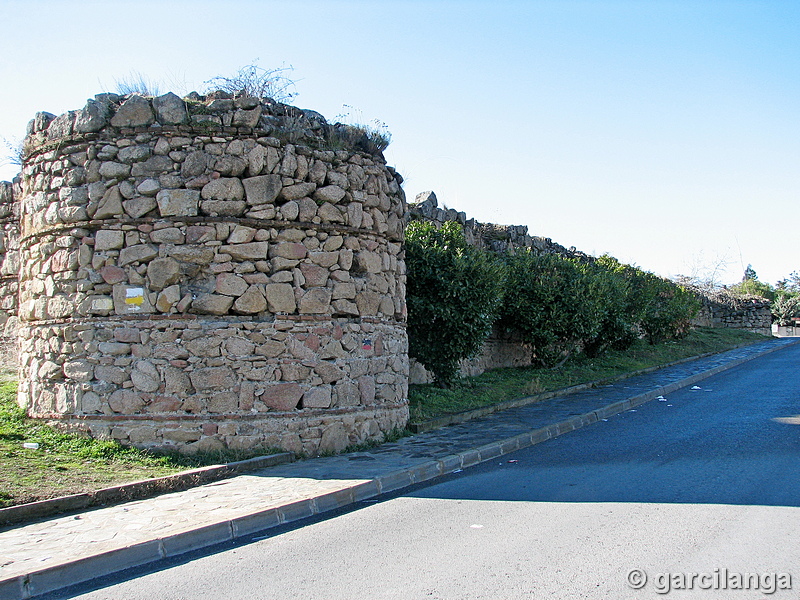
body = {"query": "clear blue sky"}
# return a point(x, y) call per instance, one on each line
point(666, 133)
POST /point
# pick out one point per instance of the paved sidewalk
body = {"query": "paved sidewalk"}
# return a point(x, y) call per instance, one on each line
point(55, 553)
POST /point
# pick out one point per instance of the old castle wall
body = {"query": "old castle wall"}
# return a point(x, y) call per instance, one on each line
point(720, 309)
point(211, 271)
point(488, 236)
point(9, 262)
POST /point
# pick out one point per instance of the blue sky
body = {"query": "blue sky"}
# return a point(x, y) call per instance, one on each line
point(666, 133)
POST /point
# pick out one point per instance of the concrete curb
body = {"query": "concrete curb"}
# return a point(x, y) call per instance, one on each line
point(36, 583)
point(137, 490)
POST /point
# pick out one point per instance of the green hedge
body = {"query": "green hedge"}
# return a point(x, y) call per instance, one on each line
point(669, 308)
point(453, 293)
point(619, 324)
point(551, 301)
point(559, 306)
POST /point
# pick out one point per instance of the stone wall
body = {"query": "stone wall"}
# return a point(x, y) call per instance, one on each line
point(9, 259)
point(723, 309)
point(211, 271)
point(501, 350)
point(488, 236)
point(224, 271)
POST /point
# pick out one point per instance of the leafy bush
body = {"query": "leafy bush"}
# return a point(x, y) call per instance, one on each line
point(453, 294)
point(669, 308)
point(619, 326)
point(553, 303)
point(562, 306)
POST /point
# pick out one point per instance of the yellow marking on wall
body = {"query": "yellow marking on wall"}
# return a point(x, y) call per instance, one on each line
point(134, 297)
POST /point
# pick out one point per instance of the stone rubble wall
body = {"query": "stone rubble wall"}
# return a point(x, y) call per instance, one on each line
point(211, 271)
point(9, 262)
point(723, 309)
point(488, 236)
point(500, 351)
point(224, 271)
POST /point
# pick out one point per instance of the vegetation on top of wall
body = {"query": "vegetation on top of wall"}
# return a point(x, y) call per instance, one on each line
point(453, 293)
point(784, 297)
point(136, 83)
point(353, 129)
point(225, 100)
point(257, 82)
point(360, 137)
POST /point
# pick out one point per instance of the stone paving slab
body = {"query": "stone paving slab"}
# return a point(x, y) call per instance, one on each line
point(137, 490)
point(51, 554)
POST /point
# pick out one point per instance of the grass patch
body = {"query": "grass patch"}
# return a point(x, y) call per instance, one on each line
point(71, 464)
point(429, 402)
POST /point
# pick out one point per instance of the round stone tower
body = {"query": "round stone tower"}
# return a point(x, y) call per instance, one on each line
point(211, 271)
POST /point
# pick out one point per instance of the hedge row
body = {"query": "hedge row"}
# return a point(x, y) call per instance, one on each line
point(560, 306)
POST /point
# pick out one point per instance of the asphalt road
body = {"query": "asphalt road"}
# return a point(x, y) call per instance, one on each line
point(706, 482)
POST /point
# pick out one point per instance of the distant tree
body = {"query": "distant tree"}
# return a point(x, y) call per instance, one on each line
point(705, 274)
point(790, 284)
point(751, 286)
point(785, 306)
